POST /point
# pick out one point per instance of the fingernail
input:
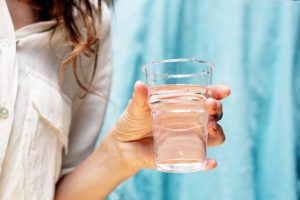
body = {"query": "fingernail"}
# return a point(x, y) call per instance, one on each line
point(211, 164)
point(136, 83)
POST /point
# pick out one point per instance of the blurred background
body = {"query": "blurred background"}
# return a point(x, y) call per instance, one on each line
point(255, 45)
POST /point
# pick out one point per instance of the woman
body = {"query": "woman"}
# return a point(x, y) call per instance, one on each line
point(55, 75)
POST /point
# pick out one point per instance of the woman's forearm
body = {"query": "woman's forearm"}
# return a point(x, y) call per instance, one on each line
point(96, 177)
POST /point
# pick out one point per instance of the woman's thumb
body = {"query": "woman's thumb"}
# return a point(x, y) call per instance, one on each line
point(135, 122)
point(139, 102)
point(140, 95)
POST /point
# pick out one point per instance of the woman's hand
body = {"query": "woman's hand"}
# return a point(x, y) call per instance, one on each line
point(127, 148)
point(132, 134)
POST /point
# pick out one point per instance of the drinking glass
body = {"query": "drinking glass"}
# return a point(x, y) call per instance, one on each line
point(178, 89)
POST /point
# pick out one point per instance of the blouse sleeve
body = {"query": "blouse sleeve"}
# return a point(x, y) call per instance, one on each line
point(89, 112)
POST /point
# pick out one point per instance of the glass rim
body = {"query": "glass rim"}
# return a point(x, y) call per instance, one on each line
point(178, 60)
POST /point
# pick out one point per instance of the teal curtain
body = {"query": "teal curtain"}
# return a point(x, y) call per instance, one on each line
point(255, 45)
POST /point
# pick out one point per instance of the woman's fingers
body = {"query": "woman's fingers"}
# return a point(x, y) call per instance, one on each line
point(216, 135)
point(213, 107)
point(220, 91)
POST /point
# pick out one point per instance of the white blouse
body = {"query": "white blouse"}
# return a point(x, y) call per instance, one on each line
point(46, 129)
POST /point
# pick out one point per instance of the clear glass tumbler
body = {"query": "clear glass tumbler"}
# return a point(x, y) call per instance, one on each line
point(178, 89)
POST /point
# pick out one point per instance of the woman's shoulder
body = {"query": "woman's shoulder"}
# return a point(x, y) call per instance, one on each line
point(105, 16)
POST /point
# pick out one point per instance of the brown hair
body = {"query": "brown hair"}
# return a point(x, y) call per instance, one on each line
point(85, 43)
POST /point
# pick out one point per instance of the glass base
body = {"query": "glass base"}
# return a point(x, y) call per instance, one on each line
point(182, 167)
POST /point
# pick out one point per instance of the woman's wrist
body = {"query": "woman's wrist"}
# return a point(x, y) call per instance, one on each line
point(102, 171)
point(117, 155)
